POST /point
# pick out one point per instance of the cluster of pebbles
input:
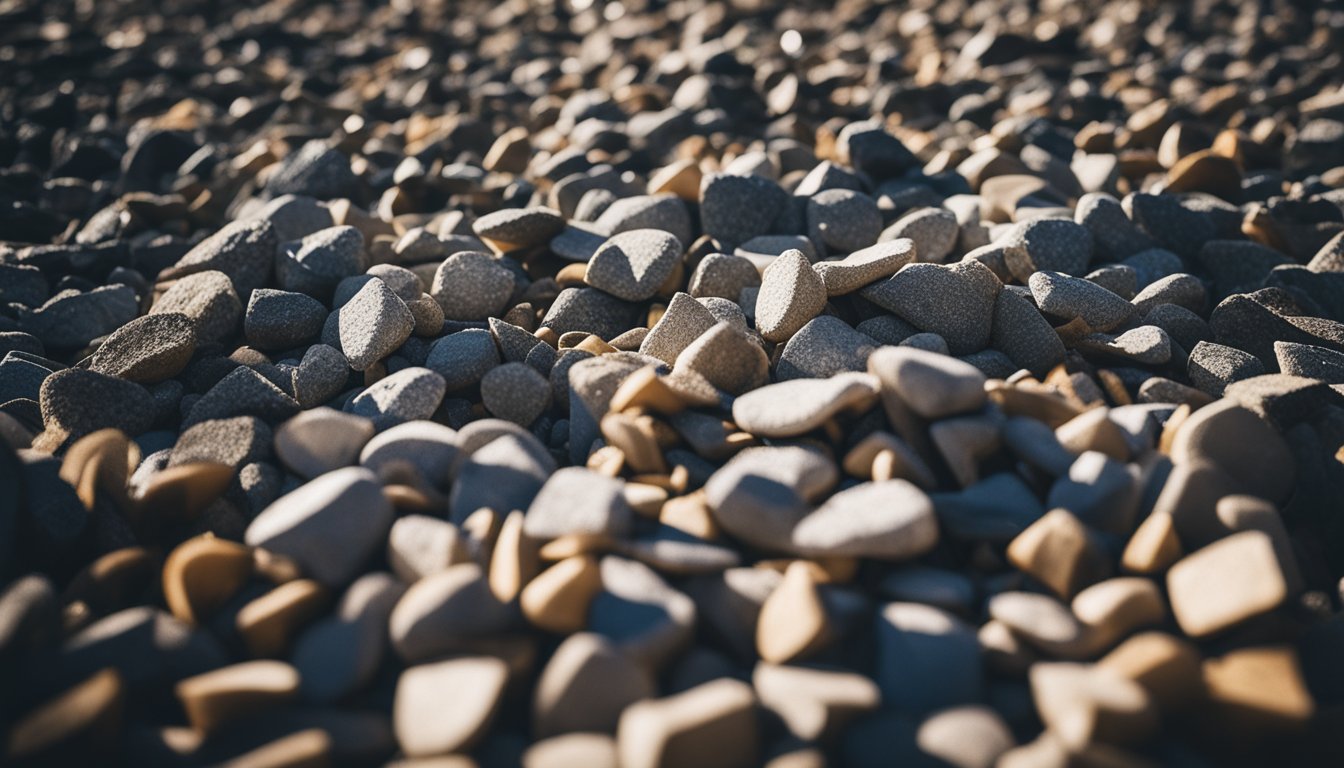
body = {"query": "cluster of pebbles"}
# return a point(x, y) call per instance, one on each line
point(671, 384)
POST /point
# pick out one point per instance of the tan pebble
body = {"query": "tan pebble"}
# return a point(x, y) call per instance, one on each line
point(634, 435)
point(1092, 430)
point(513, 562)
point(882, 453)
point(1166, 666)
point(646, 499)
point(646, 389)
point(814, 702)
point(201, 574)
point(1084, 704)
point(1003, 650)
point(571, 750)
point(607, 460)
point(1226, 583)
point(557, 600)
point(1205, 171)
point(970, 736)
point(311, 748)
point(1259, 687)
point(963, 441)
point(427, 722)
point(712, 725)
point(690, 514)
point(1059, 551)
point(586, 685)
point(73, 728)
point(275, 568)
point(792, 622)
point(214, 698)
point(100, 462)
point(1112, 609)
point(268, 624)
point(573, 544)
point(1248, 513)
point(595, 345)
point(180, 493)
point(1154, 546)
point(798, 758)
point(681, 178)
point(1036, 403)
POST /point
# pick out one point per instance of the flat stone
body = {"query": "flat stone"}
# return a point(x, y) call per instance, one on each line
point(373, 325)
point(520, 227)
point(888, 520)
point(329, 526)
point(407, 395)
point(557, 600)
point(1071, 297)
point(214, 698)
point(954, 301)
point(428, 723)
point(792, 408)
point(1310, 361)
point(1212, 367)
point(591, 311)
point(762, 493)
point(429, 448)
point(148, 349)
point(864, 266)
point(634, 264)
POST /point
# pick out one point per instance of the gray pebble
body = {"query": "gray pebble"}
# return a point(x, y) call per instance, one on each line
point(890, 520)
point(148, 349)
point(317, 171)
point(634, 264)
point(933, 230)
point(515, 392)
point(522, 227)
point(321, 260)
point(791, 294)
point(665, 212)
point(1070, 297)
point(842, 220)
point(591, 311)
point(282, 319)
point(865, 266)
point(244, 251)
point(472, 286)
point(409, 394)
point(734, 209)
point(682, 323)
point(76, 402)
point(1055, 245)
point(462, 358)
point(955, 301)
point(373, 324)
point(822, 348)
point(320, 376)
point(723, 275)
point(579, 501)
point(1211, 367)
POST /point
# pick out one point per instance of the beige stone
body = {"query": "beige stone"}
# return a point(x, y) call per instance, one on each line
point(1059, 551)
point(557, 600)
point(1082, 704)
point(214, 698)
point(1226, 583)
point(814, 702)
point(792, 621)
point(202, 573)
point(712, 725)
